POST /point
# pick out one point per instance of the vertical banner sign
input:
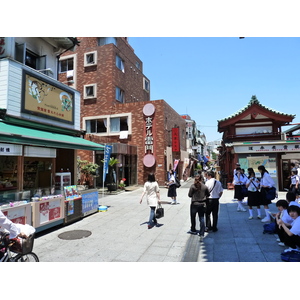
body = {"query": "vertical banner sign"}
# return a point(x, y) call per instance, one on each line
point(176, 161)
point(107, 153)
point(175, 140)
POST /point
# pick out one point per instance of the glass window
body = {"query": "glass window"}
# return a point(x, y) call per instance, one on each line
point(119, 95)
point(96, 126)
point(66, 65)
point(120, 63)
point(106, 40)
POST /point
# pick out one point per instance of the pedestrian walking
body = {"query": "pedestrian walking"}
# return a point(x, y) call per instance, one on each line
point(198, 193)
point(254, 196)
point(215, 192)
point(266, 182)
point(239, 179)
point(172, 187)
point(151, 190)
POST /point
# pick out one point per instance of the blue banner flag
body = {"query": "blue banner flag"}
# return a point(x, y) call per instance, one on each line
point(107, 153)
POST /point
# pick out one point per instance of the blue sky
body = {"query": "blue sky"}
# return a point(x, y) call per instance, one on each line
point(211, 78)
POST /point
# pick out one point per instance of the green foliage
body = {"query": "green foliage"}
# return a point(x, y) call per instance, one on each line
point(87, 168)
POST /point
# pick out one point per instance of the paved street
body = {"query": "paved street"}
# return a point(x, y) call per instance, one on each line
point(121, 234)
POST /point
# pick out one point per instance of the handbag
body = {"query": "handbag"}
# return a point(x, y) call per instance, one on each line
point(159, 212)
point(270, 193)
point(244, 190)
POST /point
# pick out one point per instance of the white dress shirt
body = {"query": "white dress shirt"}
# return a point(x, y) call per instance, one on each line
point(7, 224)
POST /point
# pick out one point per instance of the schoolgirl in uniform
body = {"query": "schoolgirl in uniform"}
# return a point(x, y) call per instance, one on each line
point(254, 198)
point(239, 179)
point(266, 182)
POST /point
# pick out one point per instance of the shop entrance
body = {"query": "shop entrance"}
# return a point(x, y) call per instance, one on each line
point(286, 171)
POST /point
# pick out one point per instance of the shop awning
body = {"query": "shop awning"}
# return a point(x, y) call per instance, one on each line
point(26, 136)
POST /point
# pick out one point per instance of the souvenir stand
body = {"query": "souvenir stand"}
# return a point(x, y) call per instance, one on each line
point(47, 211)
point(73, 204)
point(89, 201)
point(17, 212)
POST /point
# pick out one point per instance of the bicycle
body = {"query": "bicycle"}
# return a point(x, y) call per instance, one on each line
point(13, 251)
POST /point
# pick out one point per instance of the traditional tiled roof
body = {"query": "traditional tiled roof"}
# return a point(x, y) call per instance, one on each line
point(254, 100)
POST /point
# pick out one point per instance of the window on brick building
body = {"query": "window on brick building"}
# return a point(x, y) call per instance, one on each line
point(90, 59)
point(96, 126)
point(90, 91)
point(120, 95)
point(146, 84)
point(106, 40)
point(66, 65)
point(108, 125)
point(120, 63)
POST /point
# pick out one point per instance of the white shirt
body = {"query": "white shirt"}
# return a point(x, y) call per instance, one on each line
point(296, 227)
point(240, 179)
point(7, 224)
point(215, 191)
point(151, 188)
point(253, 184)
point(286, 218)
point(267, 180)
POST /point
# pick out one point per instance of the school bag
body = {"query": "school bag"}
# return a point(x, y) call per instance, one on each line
point(177, 182)
point(291, 256)
point(270, 228)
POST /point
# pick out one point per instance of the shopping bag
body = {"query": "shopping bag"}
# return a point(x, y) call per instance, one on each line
point(159, 212)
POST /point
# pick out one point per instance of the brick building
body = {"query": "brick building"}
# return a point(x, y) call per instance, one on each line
point(114, 92)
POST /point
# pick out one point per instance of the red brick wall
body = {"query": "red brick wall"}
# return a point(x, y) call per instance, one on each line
point(107, 76)
point(164, 118)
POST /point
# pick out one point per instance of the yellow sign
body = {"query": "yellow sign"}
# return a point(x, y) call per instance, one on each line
point(42, 98)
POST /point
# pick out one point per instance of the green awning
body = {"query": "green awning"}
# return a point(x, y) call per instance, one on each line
point(26, 136)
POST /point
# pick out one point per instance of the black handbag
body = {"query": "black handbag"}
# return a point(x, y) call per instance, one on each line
point(270, 193)
point(159, 212)
point(244, 190)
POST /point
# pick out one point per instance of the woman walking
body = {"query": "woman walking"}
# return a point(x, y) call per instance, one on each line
point(151, 190)
point(266, 182)
point(199, 194)
point(172, 187)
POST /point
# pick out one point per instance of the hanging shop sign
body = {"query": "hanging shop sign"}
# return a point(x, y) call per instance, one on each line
point(175, 140)
point(149, 159)
point(46, 99)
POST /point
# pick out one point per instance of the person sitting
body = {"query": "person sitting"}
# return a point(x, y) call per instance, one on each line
point(291, 199)
point(282, 206)
point(291, 235)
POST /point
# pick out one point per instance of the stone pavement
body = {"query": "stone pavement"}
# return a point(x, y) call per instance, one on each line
point(121, 234)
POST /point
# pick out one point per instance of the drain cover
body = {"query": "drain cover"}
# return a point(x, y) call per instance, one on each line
point(74, 234)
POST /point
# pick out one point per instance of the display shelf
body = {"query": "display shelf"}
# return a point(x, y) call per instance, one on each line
point(48, 212)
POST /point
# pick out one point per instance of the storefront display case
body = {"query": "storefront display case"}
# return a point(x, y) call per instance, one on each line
point(47, 212)
point(73, 204)
point(62, 180)
point(89, 201)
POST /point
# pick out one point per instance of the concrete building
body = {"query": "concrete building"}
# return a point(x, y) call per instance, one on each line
point(39, 117)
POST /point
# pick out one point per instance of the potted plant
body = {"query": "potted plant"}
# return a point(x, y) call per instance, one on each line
point(122, 184)
point(88, 172)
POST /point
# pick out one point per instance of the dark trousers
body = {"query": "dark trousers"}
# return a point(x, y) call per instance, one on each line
point(212, 209)
point(200, 210)
point(291, 241)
